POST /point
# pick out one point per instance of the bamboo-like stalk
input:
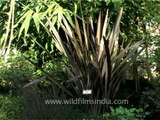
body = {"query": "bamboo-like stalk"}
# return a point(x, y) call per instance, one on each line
point(11, 27)
point(9, 30)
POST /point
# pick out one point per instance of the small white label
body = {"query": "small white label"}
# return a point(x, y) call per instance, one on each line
point(87, 92)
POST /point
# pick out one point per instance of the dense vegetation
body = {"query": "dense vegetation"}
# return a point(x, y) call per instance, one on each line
point(56, 49)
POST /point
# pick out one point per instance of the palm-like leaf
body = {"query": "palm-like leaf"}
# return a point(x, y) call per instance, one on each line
point(53, 10)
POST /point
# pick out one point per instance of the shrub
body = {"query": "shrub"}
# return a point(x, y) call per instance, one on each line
point(122, 113)
point(151, 97)
point(16, 72)
point(10, 107)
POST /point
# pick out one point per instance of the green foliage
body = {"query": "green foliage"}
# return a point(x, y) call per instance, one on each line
point(122, 113)
point(155, 56)
point(16, 72)
point(40, 10)
point(32, 36)
point(56, 71)
point(89, 7)
point(137, 17)
point(11, 107)
point(151, 97)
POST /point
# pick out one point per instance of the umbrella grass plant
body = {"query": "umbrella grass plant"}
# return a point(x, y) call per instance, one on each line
point(97, 61)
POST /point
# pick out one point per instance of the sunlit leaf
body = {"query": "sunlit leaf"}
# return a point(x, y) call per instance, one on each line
point(37, 24)
point(26, 23)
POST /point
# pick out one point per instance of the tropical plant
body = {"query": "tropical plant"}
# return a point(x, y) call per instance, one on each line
point(18, 18)
point(26, 28)
point(97, 62)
